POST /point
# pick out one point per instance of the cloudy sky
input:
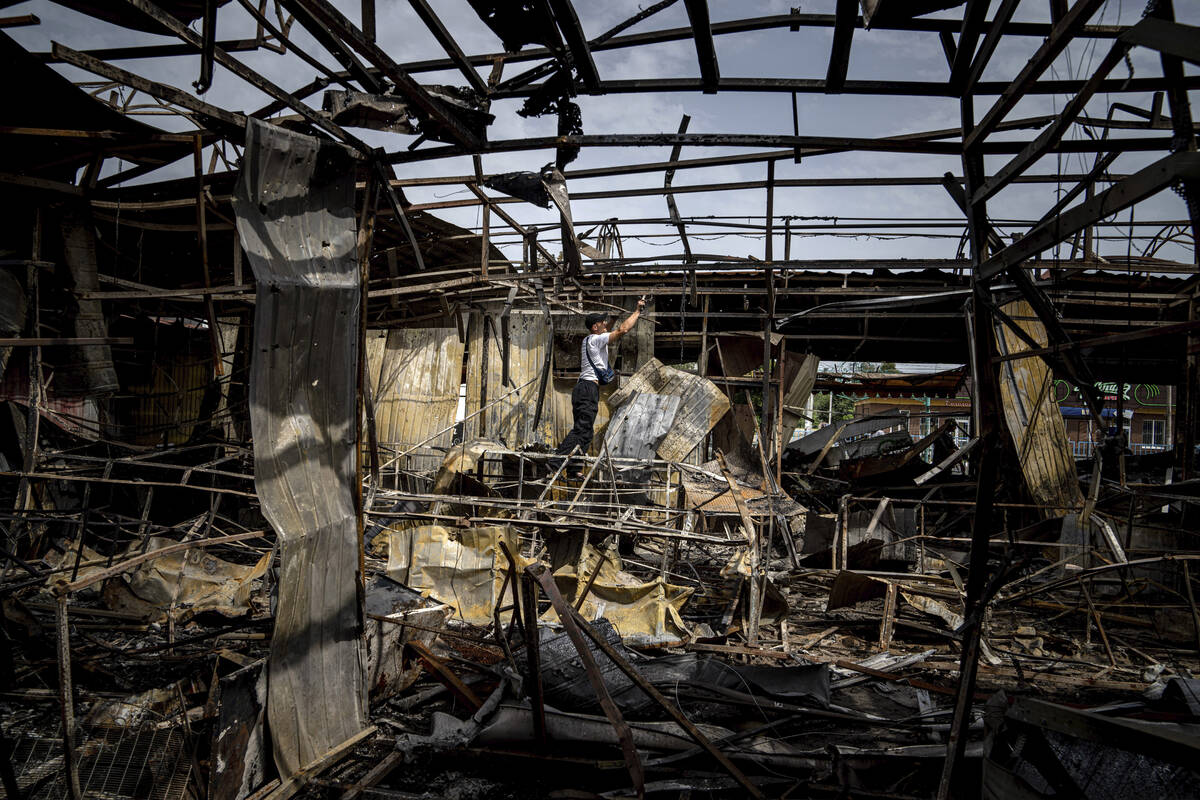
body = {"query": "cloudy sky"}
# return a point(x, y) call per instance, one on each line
point(877, 54)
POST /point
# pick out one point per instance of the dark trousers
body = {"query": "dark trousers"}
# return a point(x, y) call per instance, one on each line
point(585, 399)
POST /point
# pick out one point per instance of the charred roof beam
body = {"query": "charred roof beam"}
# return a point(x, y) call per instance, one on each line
point(231, 122)
point(1059, 38)
point(343, 28)
point(448, 44)
point(250, 76)
point(988, 47)
point(706, 50)
point(968, 38)
point(581, 54)
point(839, 53)
point(335, 47)
point(1054, 133)
point(1137, 187)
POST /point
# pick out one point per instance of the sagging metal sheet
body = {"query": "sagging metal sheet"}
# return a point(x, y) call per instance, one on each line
point(415, 374)
point(643, 613)
point(1032, 416)
point(184, 584)
point(462, 567)
point(295, 216)
point(701, 404)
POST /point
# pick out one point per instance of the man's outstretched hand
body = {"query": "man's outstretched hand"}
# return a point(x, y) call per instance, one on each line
point(641, 303)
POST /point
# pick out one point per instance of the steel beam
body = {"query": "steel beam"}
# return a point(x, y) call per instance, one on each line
point(342, 27)
point(448, 44)
point(988, 47)
point(1059, 38)
point(706, 50)
point(1121, 195)
point(1054, 133)
point(581, 54)
point(968, 37)
point(839, 54)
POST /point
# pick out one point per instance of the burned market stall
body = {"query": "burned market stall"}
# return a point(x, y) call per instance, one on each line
point(893, 492)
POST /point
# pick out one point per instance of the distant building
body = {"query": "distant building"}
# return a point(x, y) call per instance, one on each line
point(1145, 410)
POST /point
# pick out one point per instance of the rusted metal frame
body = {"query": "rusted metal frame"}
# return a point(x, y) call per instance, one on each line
point(581, 54)
point(846, 16)
point(987, 430)
point(250, 76)
point(1051, 135)
point(66, 699)
point(805, 145)
point(1191, 598)
point(533, 654)
point(592, 580)
point(214, 337)
point(159, 50)
point(383, 768)
point(448, 43)
point(341, 78)
point(1123, 194)
point(366, 393)
point(1075, 369)
point(214, 117)
point(328, 39)
point(1096, 616)
point(771, 155)
point(1085, 183)
point(1062, 34)
point(973, 19)
point(444, 675)
point(398, 211)
point(1038, 30)
point(992, 38)
point(673, 210)
point(368, 19)
point(543, 576)
point(1184, 142)
point(493, 204)
point(706, 50)
point(327, 15)
point(20, 21)
point(862, 87)
point(573, 621)
point(498, 631)
point(1167, 36)
point(208, 37)
point(547, 67)
point(768, 320)
point(754, 549)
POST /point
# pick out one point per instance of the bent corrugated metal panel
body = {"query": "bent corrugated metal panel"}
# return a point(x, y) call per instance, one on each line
point(1033, 418)
point(295, 214)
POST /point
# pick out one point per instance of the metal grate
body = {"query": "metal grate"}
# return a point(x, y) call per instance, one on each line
point(147, 764)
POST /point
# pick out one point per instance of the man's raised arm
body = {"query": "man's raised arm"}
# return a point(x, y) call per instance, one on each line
point(626, 326)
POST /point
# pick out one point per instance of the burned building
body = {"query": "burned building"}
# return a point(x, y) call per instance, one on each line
point(283, 366)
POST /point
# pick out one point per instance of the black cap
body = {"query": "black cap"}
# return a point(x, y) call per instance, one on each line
point(593, 318)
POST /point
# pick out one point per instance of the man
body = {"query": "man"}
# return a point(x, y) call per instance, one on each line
point(593, 363)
